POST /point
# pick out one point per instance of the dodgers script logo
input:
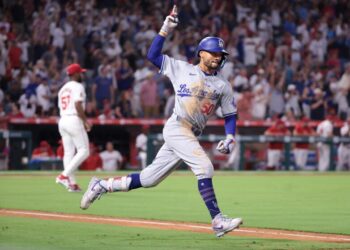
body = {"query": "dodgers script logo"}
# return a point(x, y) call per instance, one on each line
point(184, 91)
point(197, 92)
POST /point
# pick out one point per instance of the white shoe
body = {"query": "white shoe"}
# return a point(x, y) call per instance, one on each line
point(222, 224)
point(94, 191)
point(63, 180)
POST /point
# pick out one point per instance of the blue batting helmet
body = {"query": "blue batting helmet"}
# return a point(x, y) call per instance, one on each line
point(213, 44)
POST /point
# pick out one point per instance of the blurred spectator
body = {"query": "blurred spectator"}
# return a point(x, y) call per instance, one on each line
point(103, 89)
point(124, 107)
point(149, 97)
point(93, 162)
point(294, 37)
point(28, 103)
point(292, 108)
point(301, 149)
point(111, 158)
point(275, 149)
point(44, 97)
point(259, 103)
point(344, 148)
point(325, 130)
point(318, 106)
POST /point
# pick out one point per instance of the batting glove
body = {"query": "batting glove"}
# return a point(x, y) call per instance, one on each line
point(226, 146)
point(170, 22)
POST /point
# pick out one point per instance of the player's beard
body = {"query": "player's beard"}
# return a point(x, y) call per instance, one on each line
point(79, 78)
point(212, 64)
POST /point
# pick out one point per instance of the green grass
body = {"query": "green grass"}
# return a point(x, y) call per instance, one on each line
point(296, 201)
point(58, 235)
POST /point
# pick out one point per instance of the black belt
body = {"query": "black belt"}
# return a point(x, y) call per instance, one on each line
point(196, 131)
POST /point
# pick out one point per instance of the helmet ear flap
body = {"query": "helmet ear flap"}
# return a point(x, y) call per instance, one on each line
point(223, 61)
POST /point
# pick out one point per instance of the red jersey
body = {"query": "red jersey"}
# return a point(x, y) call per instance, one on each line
point(43, 152)
point(276, 131)
point(302, 131)
point(60, 151)
point(92, 163)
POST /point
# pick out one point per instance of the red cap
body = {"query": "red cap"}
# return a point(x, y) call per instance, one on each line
point(74, 68)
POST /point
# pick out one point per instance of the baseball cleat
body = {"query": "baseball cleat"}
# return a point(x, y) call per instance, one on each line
point(93, 192)
point(63, 180)
point(222, 224)
point(74, 188)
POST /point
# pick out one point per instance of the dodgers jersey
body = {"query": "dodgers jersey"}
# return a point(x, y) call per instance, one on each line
point(197, 95)
point(68, 95)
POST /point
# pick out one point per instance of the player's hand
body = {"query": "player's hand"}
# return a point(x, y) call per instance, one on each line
point(226, 146)
point(87, 126)
point(170, 22)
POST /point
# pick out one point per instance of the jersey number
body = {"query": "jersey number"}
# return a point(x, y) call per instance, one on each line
point(207, 108)
point(65, 101)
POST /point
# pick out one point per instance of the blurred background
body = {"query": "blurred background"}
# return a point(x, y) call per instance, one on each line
point(288, 65)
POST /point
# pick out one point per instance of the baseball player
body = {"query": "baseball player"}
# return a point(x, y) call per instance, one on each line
point(301, 149)
point(141, 146)
point(344, 149)
point(73, 126)
point(324, 129)
point(200, 90)
point(274, 151)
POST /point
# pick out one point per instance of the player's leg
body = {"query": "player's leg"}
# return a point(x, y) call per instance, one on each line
point(164, 163)
point(195, 157)
point(324, 157)
point(81, 143)
point(303, 158)
point(341, 158)
point(69, 151)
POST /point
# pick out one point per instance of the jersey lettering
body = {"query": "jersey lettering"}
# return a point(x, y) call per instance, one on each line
point(207, 108)
point(65, 100)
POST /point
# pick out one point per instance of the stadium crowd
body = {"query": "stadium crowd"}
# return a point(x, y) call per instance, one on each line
point(287, 58)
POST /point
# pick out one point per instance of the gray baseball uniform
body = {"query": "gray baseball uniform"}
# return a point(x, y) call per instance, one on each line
point(197, 97)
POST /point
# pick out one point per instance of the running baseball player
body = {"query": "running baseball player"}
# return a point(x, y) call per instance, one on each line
point(73, 127)
point(200, 90)
point(344, 149)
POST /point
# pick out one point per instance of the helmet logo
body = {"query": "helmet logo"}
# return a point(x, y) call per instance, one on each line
point(221, 43)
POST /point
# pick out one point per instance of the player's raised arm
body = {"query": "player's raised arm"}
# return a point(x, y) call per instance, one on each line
point(155, 51)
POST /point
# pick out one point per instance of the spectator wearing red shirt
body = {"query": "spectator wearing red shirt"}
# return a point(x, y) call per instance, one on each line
point(301, 149)
point(14, 55)
point(274, 152)
point(93, 162)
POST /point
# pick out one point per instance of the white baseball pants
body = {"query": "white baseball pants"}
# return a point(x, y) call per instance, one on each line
point(75, 143)
point(180, 144)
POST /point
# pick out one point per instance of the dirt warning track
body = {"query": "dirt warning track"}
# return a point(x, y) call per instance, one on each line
point(179, 226)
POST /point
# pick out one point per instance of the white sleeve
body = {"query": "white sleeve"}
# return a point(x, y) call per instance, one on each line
point(172, 67)
point(78, 93)
point(228, 104)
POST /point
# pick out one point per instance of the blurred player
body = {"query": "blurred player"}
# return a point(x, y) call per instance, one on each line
point(324, 129)
point(301, 149)
point(274, 151)
point(344, 149)
point(141, 146)
point(200, 90)
point(73, 126)
point(94, 161)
